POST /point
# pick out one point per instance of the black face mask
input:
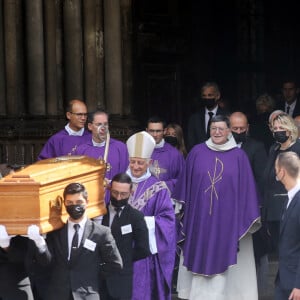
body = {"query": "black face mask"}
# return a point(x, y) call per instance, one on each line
point(118, 203)
point(280, 136)
point(239, 137)
point(209, 102)
point(75, 211)
point(172, 140)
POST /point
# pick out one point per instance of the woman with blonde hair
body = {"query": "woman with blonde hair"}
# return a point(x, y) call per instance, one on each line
point(285, 134)
point(174, 136)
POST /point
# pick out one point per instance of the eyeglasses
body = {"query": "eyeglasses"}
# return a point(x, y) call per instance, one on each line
point(79, 115)
point(101, 124)
point(221, 129)
point(155, 131)
point(122, 195)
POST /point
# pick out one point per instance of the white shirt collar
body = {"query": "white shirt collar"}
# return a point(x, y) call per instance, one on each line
point(292, 105)
point(160, 144)
point(230, 144)
point(73, 132)
point(140, 179)
point(81, 223)
point(102, 144)
point(214, 110)
point(292, 193)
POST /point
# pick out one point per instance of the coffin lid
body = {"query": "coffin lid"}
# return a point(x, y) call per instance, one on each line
point(51, 170)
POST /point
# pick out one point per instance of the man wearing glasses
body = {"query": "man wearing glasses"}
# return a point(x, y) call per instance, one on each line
point(129, 229)
point(221, 211)
point(167, 161)
point(117, 154)
point(68, 139)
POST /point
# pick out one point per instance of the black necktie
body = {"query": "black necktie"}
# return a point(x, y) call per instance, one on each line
point(288, 109)
point(74, 245)
point(116, 217)
point(211, 114)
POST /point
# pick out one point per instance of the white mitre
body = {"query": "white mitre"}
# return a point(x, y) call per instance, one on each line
point(140, 145)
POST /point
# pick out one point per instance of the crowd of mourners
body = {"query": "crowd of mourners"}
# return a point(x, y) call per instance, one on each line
point(196, 212)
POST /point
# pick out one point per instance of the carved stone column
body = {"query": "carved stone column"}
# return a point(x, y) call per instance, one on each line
point(73, 49)
point(13, 54)
point(35, 57)
point(2, 66)
point(113, 57)
point(93, 62)
point(126, 18)
point(52, 50)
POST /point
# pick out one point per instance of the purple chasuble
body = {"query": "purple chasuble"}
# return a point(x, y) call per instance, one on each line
point(152, 276)
point(117, 157)
point(62, 143)
point(221, 204)
point(167, 164)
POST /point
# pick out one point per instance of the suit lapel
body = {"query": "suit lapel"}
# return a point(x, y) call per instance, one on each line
point(116, 229)
point(63, 237)
point(105, 220)
point(86, 233)
point(88, 228)
point(287, 212)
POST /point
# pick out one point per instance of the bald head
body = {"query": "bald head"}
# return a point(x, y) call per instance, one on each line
point(76, 114)
point(238, 122)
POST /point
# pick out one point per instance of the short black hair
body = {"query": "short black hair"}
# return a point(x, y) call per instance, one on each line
point(75, 188)
point(290, 79)
point(221, 118)
point(157, 119)
point(122, 178)
point(91, 115)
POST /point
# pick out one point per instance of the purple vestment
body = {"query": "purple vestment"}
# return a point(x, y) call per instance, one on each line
point(221, 204)
point(152, 276)
point(167, 164)
point(117, 157)
point(62, 143)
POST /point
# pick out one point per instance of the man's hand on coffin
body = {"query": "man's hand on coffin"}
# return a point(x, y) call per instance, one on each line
point(33, 233)
point(4, 237)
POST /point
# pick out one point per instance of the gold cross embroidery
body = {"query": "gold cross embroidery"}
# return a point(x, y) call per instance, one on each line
point(73, 150)
point(156, 170)
point(213, 180)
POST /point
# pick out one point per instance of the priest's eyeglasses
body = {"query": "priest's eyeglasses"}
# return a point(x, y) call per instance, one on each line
point(221, 129)
point(79, 115)
point(101, 124)
point(123, 195)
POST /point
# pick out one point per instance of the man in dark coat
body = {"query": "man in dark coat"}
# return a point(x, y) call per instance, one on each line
point(199, 121)
point(287, 167)
point(77, 252)
point(131, 234)
point(290, 103)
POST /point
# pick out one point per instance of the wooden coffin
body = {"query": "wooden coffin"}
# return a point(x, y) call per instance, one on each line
point(34, 195)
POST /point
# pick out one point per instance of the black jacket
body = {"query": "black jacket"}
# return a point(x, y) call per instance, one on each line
point(131, 235)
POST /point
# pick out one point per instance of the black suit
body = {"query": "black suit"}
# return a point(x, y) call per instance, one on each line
point(296, 111)
point(80, 275)
point(14, 281)
point(132, 244)
point(288, 276)
point(257, 155)
point(197, 127)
